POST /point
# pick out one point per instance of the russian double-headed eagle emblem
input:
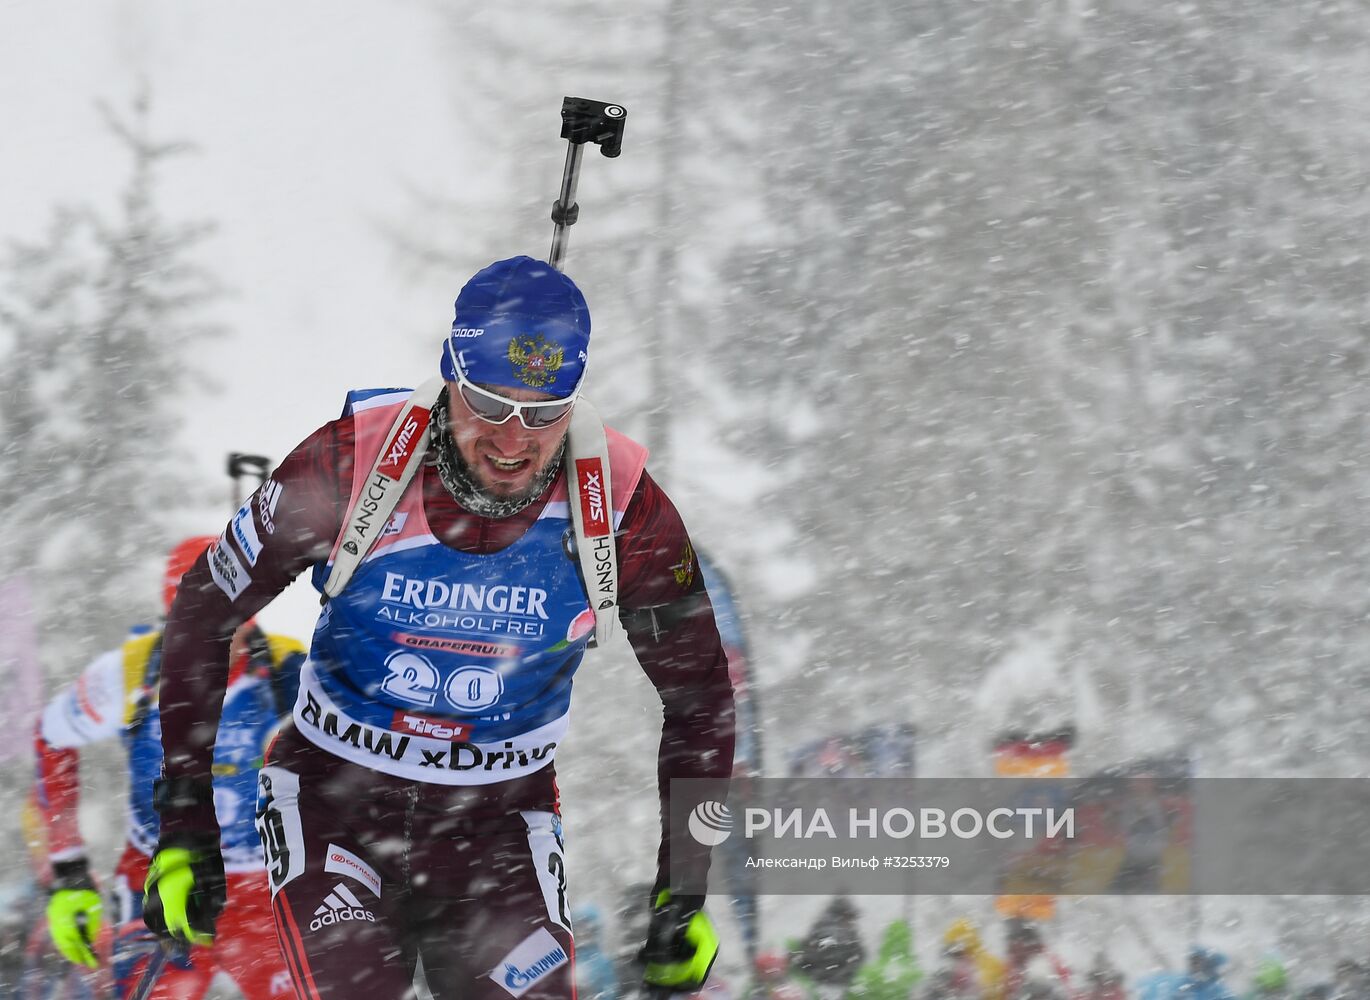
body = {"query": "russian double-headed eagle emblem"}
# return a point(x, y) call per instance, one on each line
point(536, 361)
point(685, 569)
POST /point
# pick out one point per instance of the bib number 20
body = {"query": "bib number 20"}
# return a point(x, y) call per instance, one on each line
point(410, 677)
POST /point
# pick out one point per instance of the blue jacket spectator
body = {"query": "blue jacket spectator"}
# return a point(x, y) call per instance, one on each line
point(1203, 980)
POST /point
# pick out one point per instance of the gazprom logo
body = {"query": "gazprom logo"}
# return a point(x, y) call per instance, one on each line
point(537, 955)
point(515, 977)
point(711, 823)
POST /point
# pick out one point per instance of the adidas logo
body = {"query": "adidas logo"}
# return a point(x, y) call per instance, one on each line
point(338, 906)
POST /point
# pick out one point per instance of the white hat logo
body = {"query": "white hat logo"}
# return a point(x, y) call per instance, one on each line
point(711, 823)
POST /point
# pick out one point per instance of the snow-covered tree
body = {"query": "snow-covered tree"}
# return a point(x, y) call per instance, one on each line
point(97, 322)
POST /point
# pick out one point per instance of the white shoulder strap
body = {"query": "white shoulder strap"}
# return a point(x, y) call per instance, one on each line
point(592, 512)
point(393, 470)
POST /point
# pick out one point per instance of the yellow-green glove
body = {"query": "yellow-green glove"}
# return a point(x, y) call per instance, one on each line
point(74, 910)
point(185, 889)
point(681, 944)
point(185, 892)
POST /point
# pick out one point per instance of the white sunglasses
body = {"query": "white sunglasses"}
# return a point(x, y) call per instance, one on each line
point(495, 409)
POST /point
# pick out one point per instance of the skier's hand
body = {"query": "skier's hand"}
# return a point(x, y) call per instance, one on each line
point(74, 912)
point(681, 944)
point(185, 890)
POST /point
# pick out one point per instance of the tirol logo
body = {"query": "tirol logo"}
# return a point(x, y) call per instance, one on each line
point(402, 444)
point(340, 906)
point(711, 823)
point(536, 360)
point(590, 485)
point(422, 725)
point(537, 955)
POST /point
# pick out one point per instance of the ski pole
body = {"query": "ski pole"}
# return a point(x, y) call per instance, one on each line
point(153, 971)
point(582, 121)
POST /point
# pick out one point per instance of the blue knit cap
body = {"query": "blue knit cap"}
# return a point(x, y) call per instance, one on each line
point(522, 324)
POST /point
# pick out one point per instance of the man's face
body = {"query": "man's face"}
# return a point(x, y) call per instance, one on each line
point(505, 460)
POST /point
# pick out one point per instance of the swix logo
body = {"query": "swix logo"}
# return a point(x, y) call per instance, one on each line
point(590, 479)
point(402, 444)
point(422, 725)
point(340, 906)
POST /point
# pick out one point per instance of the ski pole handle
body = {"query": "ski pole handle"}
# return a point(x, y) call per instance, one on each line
point(582, 121)
point(240, 464)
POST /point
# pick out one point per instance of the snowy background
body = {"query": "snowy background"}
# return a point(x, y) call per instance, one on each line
point(1010, 357)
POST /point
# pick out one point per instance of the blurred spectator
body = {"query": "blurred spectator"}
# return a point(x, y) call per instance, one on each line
point(1146, 834)
point(970, 970)
point(1032, 972)
point(1160, 986)
point(830, 954)
point(1204, 980)
point(1271, 981)
point(1023, 946)
point(893, 973)
point(1349, 981)
point(1040, 987)
point(1104, 982)
point(773, 979)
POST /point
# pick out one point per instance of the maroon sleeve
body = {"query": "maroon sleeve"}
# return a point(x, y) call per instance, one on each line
point(297, 514)
point(670, 624)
